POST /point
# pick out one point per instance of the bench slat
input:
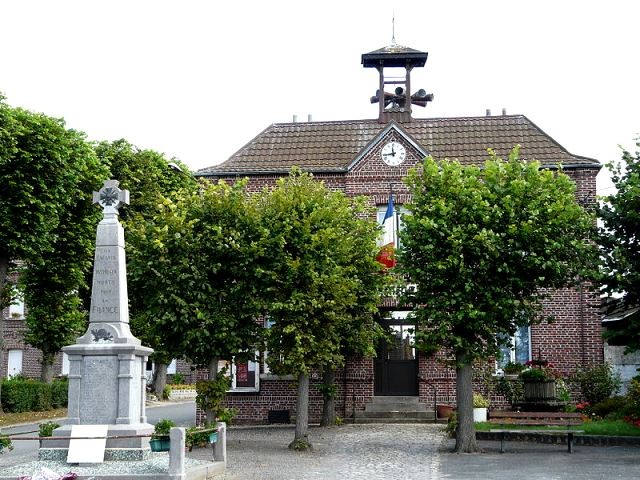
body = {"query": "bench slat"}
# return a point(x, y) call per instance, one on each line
point(497, 414)
point(540, 422)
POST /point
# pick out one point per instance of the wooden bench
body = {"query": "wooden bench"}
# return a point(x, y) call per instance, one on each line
point(536, 419)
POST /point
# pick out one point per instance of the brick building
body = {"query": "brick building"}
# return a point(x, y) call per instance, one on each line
point(371, 157)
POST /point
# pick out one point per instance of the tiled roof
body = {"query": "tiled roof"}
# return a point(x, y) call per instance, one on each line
point(332, 146)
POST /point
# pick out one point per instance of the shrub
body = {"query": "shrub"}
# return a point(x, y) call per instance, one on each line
point(5, 443)
point(613, 407)
point(166, 392)
point(46, 429)
point(59, 393)
point(178, 379)
point(24, 395)
point(513, 390)
point(479, 401)
point(452, 425)
point(211, 393)
point(633, 392)
point(163, 427)
point(597, 383)
point(226, 415)
point(199, 436)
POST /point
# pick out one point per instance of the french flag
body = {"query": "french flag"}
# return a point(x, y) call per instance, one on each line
point(386, 255)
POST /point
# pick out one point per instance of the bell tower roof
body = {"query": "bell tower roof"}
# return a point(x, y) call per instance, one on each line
point(394, 55)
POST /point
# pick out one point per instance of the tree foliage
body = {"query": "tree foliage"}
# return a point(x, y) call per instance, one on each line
point(481, 243)
point(150, 177)
point(196, 265)
point(620, 243)
point(43, 170)
point(321, 280)
point(53, 283)
point(41, 165)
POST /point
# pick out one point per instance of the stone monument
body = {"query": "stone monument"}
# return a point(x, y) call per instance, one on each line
point(107, 364)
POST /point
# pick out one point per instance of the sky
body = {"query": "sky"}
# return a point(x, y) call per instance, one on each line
point(197, 80)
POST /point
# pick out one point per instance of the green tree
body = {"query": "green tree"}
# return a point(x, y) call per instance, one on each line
point(358, 331)
point(620, 243)
point(322, 253)
point(481, 242)
point(198, 273)
point(53, 283)
point(41, 165)
point(150, 177)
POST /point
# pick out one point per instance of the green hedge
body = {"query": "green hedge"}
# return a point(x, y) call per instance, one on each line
point(59, 393)
point(26, 395)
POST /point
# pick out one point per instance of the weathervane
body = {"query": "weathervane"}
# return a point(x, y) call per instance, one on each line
point(393, 27)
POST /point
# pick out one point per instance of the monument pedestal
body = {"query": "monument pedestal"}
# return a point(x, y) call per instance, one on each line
point(106, 387)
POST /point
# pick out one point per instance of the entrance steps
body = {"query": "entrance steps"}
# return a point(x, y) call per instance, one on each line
point(398, 409)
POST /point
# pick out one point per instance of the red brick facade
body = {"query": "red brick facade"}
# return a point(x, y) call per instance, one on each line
point(573, 339)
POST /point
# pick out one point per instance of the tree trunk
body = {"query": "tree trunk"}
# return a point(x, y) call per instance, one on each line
point(213, 373)
point(46, 374)
point(159, 379)
point(4, 268)
point(329, 398)
point(465, 433)
point(301, 439)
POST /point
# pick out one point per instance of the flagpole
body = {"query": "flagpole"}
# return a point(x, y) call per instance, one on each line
point(394, 223)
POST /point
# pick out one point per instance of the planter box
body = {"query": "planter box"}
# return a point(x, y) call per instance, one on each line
point(536, 391)
point(479, 414)
point(159, 444)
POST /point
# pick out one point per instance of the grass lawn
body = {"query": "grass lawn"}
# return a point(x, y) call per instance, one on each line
point(598, 427)
point(31, 417)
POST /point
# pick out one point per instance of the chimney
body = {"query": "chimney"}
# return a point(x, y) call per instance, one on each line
point(488, 114)
point(295, 119)
point(504, 111)
point(309, 118)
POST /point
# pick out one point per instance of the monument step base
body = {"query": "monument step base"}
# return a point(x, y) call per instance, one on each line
point(110, 454)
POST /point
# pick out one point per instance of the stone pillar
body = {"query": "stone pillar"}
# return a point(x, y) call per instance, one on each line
point(176, 452)
point(220, 447)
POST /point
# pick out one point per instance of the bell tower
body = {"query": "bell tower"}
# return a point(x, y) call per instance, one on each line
point(396, 105)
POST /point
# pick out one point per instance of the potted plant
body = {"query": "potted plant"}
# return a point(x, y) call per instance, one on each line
point(444, 411)
point(201, 436)
point(539, 381)
point(5, 443)
point(480, 405)
point(160, 439)
point(46, 430)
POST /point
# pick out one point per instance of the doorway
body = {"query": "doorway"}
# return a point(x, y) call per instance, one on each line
point(396, 364)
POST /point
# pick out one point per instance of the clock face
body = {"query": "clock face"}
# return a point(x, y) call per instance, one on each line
point(393, 153)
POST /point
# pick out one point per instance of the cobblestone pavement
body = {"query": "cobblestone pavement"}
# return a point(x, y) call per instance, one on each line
point(348, 452)
point(411, 452)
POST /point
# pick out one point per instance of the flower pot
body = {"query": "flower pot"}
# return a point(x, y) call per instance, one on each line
point(444, 411)
point(213, 437)
point(539, 390)
point(159, 444)
point(479, 414)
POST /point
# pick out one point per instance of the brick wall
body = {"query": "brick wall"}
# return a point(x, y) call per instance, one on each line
point(573, 339)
